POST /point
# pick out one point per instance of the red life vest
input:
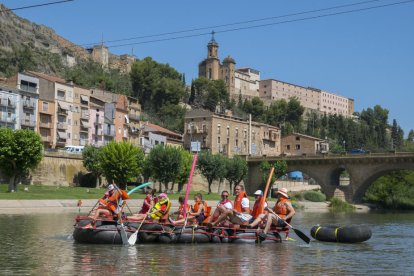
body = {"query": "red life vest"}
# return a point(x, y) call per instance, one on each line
point(197, 204)
point(237, 203)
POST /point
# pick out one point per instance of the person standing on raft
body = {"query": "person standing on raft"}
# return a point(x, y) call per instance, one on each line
point(283, 208)
point(240, 214)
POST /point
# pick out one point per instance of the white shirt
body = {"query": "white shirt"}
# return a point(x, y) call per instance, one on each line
point(245, 202)
point(227, 205)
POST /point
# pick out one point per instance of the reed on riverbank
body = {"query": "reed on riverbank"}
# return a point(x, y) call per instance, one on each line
point(338, 205)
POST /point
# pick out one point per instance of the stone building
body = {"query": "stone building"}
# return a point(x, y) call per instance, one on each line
point(228, 135)
point(152, 135)
point(300, 144)
point(310, 98)
point(134, 113)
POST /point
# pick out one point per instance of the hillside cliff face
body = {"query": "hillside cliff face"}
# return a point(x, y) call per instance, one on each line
point(27, 45)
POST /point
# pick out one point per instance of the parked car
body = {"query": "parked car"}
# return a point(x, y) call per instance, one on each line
point(74, 149)
point(357, 151)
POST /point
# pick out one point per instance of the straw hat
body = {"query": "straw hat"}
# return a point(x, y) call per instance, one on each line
point(283, 192)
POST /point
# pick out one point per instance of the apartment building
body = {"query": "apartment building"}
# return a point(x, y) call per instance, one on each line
point(300, 144)
point(246, 83)
point(310, 98)
point(229, 135)
point(121, 119)
point(134, 113)
point(82, 118)
point(9, 108)
point(96, 121)
point(152, 135)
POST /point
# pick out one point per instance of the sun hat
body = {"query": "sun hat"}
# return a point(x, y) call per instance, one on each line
point(258, 192)
point(110, 187)
point(283, 192)
point(163, 195)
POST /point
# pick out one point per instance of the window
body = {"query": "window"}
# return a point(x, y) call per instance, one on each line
point(69, 135)
point(237, 132)
point(228, 131)
point(297, 147)
point(297, 138)
point(45, 106)
point(61, 94)
point(28, 86)
point(218, 129)
point(218, 140)
point(288, 147)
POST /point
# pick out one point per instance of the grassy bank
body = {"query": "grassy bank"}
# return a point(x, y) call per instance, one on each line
point(54, 192)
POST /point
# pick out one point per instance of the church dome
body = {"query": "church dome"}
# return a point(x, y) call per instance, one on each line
point(229, 59)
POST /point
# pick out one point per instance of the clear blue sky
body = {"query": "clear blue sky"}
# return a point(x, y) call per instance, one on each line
point(367, 55)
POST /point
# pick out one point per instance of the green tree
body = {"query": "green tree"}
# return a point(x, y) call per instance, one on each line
point(92, 162)
point(410, 137)
point(236, 170)
point(280, 169)
point(121, 162)
point(155, 84)
point(211, 167)
point(20, 151)
point(165, 163)
point(185, 168)
point(294, 113)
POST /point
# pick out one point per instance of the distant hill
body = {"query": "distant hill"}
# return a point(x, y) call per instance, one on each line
point(27, 45)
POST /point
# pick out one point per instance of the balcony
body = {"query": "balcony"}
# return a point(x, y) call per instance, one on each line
point(98, 133)
point(8, 103)
point(83, 142)
point(7, 120)
point(45, 124)
point(62, 126)
point(47, 139)
point(29, 104)
point(63, 112)
point(27, 123)
point(109, 132)
point(133, 117)
point(85, 115)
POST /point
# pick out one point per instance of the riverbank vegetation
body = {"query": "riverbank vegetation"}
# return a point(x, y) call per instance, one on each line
point(338, 205)
point(393, 191)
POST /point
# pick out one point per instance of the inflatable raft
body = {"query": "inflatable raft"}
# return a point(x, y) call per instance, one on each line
point(108, 232)
point(345, 234)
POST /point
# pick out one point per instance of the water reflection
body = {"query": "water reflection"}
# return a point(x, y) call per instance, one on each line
point(41, 245)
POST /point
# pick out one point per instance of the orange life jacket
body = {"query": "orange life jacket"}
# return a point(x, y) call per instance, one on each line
point(111, 203)
point(280, 208)
point(197, 204)
point(237, 203)
point(255, 212)
point(181, 209)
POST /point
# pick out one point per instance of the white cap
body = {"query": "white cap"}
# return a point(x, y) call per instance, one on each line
point(258, 192)
point(110, 187)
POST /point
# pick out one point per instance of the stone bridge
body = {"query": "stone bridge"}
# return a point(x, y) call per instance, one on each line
point(363, 170)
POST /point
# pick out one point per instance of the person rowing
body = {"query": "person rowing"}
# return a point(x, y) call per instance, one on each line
point(240, 214)
point(109, 204)
point(283, 208)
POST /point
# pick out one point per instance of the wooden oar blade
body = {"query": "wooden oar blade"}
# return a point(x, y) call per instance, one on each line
point(302, 235)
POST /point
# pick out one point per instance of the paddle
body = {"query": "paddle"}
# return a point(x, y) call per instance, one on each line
point(298, 232)
point(124, 236)
point(263, 200)
point(133, 238)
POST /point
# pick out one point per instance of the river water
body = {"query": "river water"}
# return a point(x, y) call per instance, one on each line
point(42, 245)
